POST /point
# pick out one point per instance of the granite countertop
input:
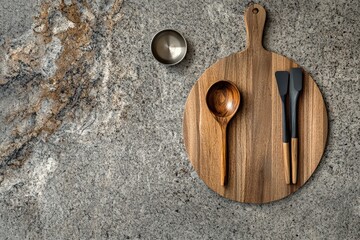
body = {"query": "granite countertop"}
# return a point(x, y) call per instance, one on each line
point(91, 143)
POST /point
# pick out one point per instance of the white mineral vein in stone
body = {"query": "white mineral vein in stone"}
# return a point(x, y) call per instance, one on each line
point(44, 111)
point(68, 2)
point(106, 72)
point(52, 52)
point(40, 28)
point(88, 15)
point(9, 181)
point(107, 66)
point(2, 67)
point(61, 24)
point(24, 45)
point(41, 174)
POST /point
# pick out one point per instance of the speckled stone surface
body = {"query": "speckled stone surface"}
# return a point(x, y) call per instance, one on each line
point(91, 143)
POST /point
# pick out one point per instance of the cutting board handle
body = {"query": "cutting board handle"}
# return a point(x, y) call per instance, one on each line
point(255, 16)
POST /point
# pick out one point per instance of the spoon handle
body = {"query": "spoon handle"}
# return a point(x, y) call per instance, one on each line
point(223, 157)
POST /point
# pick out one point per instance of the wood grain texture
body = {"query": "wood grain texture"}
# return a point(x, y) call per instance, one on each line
point(286, 157)
point(294, 159)
point(255, 153)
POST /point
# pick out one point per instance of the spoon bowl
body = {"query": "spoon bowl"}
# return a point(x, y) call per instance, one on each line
point(223, 100)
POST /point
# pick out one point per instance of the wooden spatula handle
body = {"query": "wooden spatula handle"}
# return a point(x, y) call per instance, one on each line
point(286, 155)
point(223, 157)
point(294, 159)
point(255, 17)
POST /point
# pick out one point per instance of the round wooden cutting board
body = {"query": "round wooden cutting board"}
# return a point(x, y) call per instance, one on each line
point(254, 136)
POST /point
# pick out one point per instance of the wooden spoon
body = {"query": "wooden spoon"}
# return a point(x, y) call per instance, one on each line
point(223, 100)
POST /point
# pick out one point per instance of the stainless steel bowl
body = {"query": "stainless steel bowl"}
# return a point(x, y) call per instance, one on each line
point(169, 47)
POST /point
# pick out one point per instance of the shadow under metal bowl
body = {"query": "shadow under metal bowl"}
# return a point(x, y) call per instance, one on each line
point(168, 47)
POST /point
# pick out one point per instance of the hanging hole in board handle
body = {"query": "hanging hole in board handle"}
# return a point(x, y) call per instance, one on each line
point(255, 11)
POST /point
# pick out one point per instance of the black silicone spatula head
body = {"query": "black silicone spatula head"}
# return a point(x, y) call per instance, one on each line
point(282, 79)
point(296, 83)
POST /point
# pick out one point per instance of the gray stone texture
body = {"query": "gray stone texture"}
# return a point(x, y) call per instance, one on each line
point(91, 143)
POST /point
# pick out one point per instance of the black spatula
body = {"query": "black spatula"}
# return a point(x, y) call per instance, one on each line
point(296, 85)
point(282, 79)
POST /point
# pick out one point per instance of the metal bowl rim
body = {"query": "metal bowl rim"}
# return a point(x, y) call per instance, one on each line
point(168, 30)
